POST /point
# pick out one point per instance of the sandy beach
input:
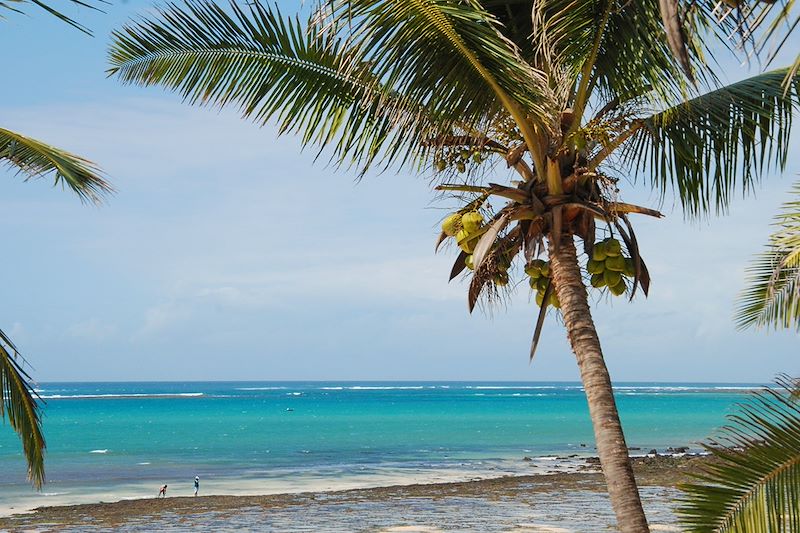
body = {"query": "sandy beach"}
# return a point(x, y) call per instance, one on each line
point(563, 502)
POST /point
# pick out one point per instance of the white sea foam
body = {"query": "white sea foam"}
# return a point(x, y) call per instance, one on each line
point(261, 388)
point(124, 395)
point(362, 387)
point(331, 388)
point(99, 451)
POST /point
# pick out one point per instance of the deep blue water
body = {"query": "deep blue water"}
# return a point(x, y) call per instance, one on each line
point(106, 435)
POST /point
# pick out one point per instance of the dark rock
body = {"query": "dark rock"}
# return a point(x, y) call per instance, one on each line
point(632, 448)
point(526, 458)
point(593, 460)
point(653, 452)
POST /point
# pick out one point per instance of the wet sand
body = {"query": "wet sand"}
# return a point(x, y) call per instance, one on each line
point(559, 502)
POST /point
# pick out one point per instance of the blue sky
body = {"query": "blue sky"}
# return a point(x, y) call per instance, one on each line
point(227, 253)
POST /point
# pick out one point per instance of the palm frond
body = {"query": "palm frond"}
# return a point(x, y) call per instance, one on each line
point(708, 147)
point(771, 297)
point(453, 56)
point(34, 159)
point(272, 68)
point(753, 485)
point(18, 403)
point(762, 27)
point(17, 5)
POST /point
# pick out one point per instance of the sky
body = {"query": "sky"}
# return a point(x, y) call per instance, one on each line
point(228, 253)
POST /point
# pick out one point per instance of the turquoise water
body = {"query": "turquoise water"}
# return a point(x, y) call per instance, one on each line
point(118, 438)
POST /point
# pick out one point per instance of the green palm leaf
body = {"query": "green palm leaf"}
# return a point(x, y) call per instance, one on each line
point(34, 159)
point(771, 297)
point(18, 403)
point(16, 6)
point(361, 85)
point(753, 486)
point(709, 147)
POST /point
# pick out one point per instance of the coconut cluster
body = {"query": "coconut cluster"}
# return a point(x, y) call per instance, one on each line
point(466, 229)
point(609, 267)
point(458, 158)
point(540, 277)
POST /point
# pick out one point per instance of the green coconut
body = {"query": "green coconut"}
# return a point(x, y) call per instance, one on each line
point(545, 268)
point(598, 281)
point(534, 283)
point(472, 221)
point(451, 224)
point(440, 165)
point(469, 263)
point(630, 269)
point(539, 298)
point(613, 247)
point(595, 267)
point(619, 288)
point(533, 271)
point(612, 277)
point(599, 252)
point(460, 166)
point(615, 262)
point(465, 242)
point(542, 283)
point(554, 300)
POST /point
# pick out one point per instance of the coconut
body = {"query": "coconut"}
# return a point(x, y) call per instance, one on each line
point(534, 283)
point(440, 164)
point(533, 271)
point(612, 277)
point(595, 267)
point(545, 268)
point(598, 281)
point(613, 247)
point(619, 288)
point(469, 263)
point(472, 221)
point(464, 241)
point(615, 262)
point(539, 298)
point(543, 283)
point(630, 269)
point(599, 252)
point(460, 166)
point(451, 224)
point(501, 278)
point(554, 300)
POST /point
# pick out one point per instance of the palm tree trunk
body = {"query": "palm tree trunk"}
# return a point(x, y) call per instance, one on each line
point(585, 344)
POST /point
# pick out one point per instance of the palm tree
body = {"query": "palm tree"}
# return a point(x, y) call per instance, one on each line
point(35, 159)
point(570, 95)
point(771, 297)
point(753, 485)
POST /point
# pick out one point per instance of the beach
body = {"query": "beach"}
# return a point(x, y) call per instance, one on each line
point(555, 502)
point(289, 453)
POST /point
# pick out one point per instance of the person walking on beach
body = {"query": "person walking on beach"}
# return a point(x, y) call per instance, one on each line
point(196, 484)
point(163, 492)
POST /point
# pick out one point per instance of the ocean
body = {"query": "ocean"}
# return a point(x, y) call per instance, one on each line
point(111, 441)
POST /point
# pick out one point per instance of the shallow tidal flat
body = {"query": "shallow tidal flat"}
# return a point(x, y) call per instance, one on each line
point(564, 502)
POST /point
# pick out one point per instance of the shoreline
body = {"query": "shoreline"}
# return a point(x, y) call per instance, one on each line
point(661, 471)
